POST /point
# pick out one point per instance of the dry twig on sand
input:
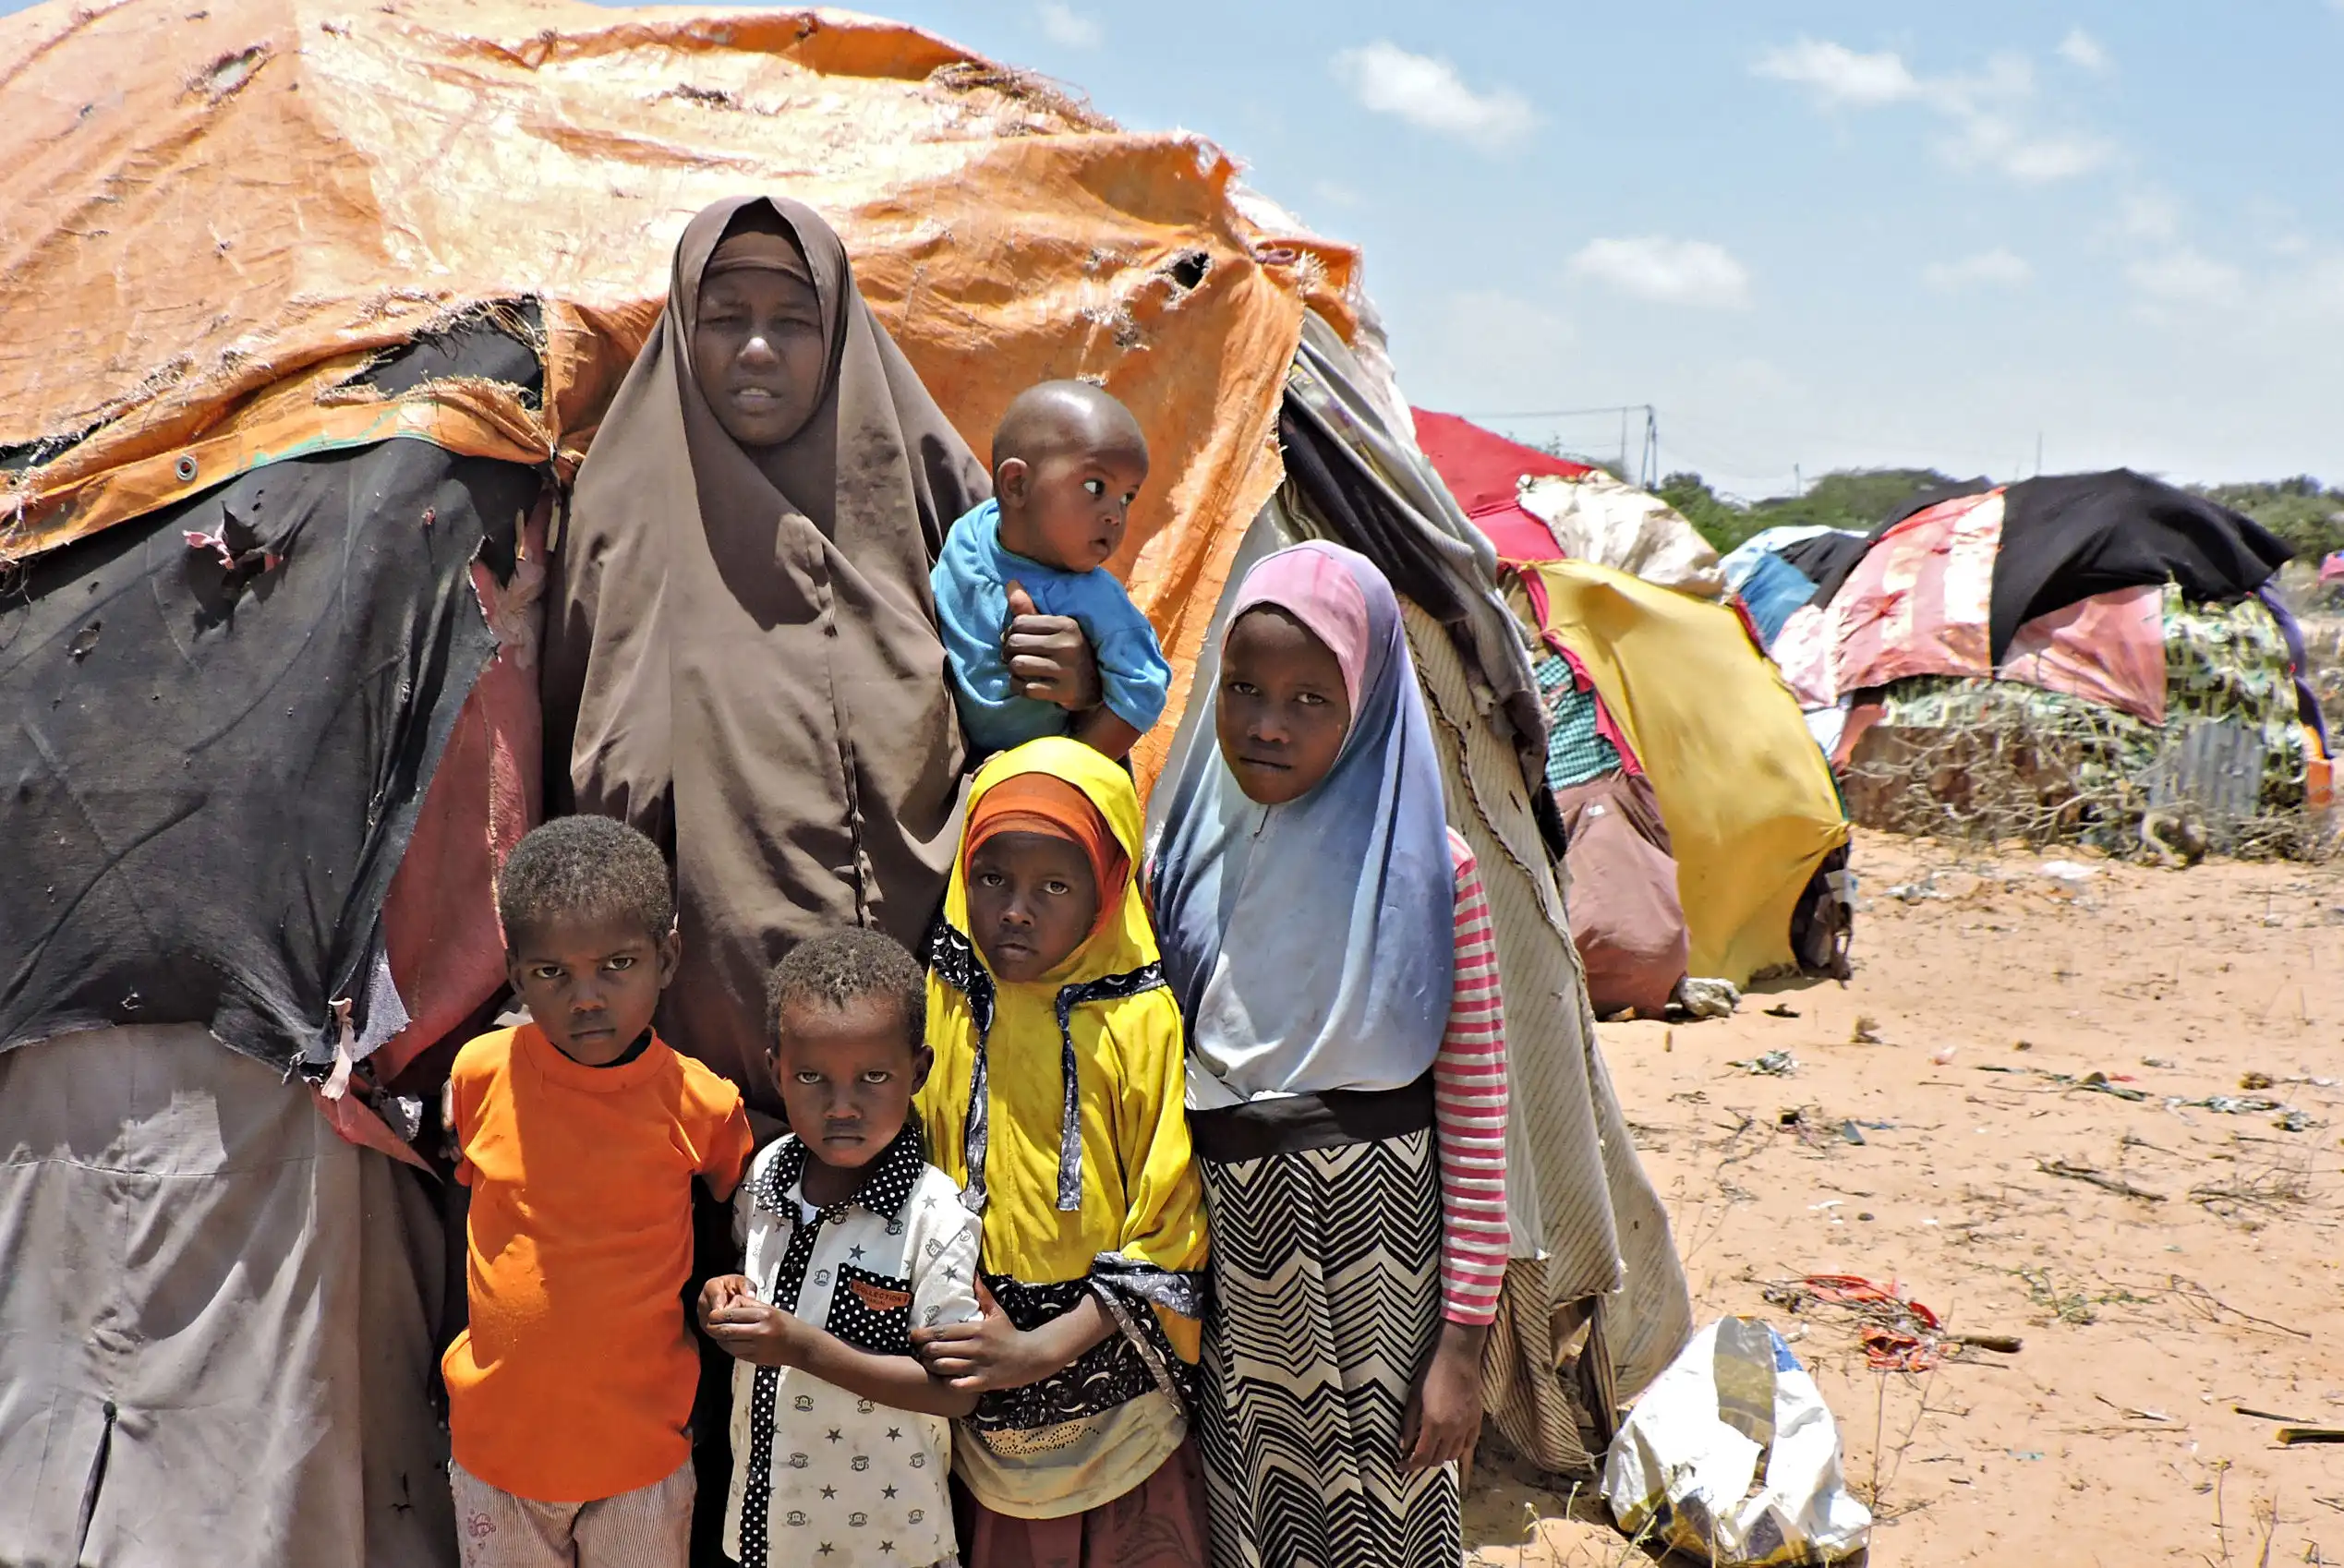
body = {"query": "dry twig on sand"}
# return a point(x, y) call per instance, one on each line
point(2097, 1178)
point(2211, 1307)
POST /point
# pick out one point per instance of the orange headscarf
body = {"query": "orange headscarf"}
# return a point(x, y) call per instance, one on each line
point(1043, 804)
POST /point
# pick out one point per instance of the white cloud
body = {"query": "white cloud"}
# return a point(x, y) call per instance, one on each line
point(1837, 77)
point(1335, 193)
point(2003, 143)
point(1062, 24)
point(2184, 276)
point(1998, 267)
point(1669, 271)
point(1428, 92)
point(2082, 51)
point(1985, 111)
point(2150, 214)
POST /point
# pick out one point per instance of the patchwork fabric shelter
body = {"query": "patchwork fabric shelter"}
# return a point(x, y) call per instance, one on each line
point(293, 189)
point(2105, 641)
point(1484, 471)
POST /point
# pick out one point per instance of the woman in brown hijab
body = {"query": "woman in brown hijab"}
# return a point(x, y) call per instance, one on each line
point(742, 658)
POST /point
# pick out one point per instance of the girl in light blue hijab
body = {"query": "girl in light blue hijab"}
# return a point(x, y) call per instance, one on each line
point(1328, 940)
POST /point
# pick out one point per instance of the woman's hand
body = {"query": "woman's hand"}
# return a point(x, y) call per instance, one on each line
point(986, 1352)
point(1444, 1418)
point(1049, 658)
point(749, 1330)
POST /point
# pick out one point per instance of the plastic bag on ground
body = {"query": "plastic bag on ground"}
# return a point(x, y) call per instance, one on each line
point(1732, 1455)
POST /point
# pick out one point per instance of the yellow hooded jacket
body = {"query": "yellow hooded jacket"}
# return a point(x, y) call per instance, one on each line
point(1117, 1212)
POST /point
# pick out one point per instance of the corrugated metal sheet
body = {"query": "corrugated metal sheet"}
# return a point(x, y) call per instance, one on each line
point(2213, 764)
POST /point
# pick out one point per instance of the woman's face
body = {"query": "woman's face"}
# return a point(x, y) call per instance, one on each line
point(1282, 710)
point(756, 352)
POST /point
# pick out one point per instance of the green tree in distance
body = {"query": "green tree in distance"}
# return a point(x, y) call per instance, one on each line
point(2303, 512)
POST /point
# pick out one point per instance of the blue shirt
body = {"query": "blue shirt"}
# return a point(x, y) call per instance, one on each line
point(972, 582)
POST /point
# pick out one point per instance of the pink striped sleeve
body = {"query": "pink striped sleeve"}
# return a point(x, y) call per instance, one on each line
point(1468, 1112)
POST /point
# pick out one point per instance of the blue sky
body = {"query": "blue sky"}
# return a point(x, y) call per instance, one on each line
point(1813, 236)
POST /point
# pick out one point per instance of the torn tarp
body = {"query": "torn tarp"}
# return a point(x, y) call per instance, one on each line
point(224, 717)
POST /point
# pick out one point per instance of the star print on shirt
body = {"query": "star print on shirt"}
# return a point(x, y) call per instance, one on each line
point(861, 1270)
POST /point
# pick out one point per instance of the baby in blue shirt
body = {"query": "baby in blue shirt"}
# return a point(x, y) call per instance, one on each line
point(1066, 461)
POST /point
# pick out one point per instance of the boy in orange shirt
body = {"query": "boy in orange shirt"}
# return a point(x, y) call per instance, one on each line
point(578, 1136)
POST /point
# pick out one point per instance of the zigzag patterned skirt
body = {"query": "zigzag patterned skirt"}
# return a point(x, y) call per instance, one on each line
point(1326, 1269)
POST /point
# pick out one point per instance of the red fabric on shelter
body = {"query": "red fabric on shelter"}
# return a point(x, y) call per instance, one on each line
point(1518, 535)
point(439, 923)
point(1483, 469)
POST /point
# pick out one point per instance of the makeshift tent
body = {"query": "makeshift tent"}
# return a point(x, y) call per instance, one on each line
point(1535, 506)
point(1751, 814)
point(2060, 642)
point(1760, 575)
point(1631, 913)
point(308, 309)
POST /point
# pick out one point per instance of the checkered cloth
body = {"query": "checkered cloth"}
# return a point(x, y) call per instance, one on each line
point(1576, 752)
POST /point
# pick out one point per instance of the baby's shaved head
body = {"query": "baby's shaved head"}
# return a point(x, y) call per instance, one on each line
point(1057, 417)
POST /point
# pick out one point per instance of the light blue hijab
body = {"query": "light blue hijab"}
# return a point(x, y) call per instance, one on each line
point(1313, 945)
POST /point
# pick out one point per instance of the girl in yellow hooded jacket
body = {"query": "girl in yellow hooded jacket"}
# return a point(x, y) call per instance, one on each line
point(1056, 1100)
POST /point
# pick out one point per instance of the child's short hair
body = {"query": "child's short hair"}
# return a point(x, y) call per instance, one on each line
point(1056, 417)
point(839, 965)
point(589, 866)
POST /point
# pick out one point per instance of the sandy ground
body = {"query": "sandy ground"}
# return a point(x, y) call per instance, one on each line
point(2110, 1437)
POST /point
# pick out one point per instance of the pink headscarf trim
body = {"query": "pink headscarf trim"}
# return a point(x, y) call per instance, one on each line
point(1310, 583)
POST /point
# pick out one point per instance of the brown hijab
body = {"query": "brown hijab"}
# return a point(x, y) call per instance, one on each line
point(742, 655)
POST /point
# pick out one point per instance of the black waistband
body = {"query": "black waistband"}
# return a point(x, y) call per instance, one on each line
point(1262, 1128)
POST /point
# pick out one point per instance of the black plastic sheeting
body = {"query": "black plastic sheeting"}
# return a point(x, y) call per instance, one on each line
point(1824, 560)
point(2069, 538)
point(479, 346)
point(213, 766)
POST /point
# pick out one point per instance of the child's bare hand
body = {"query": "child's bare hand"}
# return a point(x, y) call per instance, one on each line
point(1444, 1416)
point(723, 1291)
point(986, 1352)
point(753, 1331)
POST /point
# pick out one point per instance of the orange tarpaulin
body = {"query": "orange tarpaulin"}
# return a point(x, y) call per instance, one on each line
point(215, 216)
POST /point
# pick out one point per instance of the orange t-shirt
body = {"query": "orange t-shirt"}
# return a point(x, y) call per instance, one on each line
point(574, 1380)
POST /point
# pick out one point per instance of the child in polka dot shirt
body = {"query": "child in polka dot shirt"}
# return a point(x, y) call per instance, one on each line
point(849, 1240)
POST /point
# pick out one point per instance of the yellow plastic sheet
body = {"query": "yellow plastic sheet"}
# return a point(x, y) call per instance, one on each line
point(1746, 793)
